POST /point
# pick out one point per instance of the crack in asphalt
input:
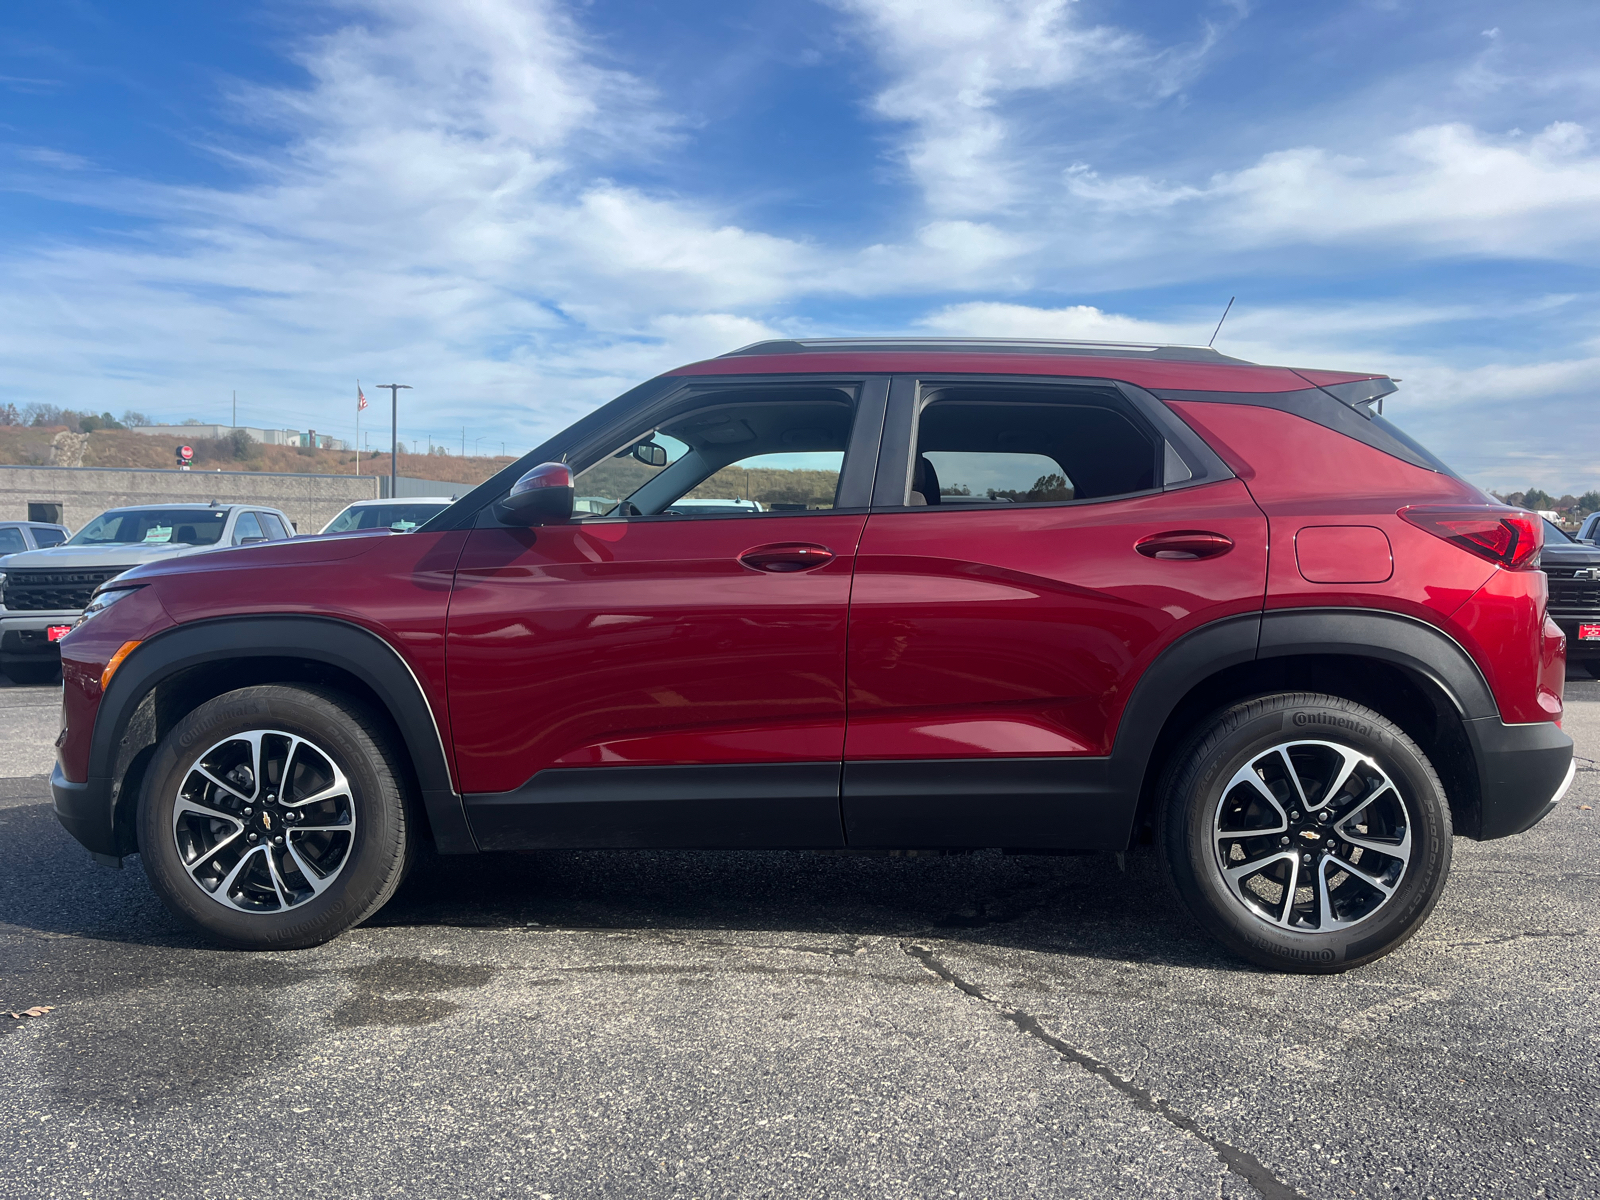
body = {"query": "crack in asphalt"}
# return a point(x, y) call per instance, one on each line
point(1524, 935)
point(1241, 1162)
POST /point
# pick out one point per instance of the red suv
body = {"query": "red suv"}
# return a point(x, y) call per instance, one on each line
point(876, 594)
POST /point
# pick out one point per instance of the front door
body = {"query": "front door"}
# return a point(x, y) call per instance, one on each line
point(668, 668)
point(1009, 598)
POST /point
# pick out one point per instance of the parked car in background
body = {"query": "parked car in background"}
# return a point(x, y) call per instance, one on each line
point(18, 536)
point(401, 515)
point(1035, 571)
point(1573, 568)
point(43, 592)
point(1589, 531)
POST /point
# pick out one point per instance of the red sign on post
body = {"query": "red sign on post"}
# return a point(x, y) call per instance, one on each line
point(186, 452)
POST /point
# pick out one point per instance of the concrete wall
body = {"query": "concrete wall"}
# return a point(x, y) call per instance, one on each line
point(409, 485)
point(84, 492)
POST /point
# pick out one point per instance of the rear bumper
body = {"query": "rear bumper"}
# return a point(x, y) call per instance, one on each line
point(1523, 771)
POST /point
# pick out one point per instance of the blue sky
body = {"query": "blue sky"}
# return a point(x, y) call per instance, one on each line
point(523, 208)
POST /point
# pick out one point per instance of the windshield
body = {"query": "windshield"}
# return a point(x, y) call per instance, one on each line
point(399, 516)
point(153, 527)
point(1553, 533)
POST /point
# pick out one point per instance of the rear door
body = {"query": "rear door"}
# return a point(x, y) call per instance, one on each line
point(669, 667)
point(1032, 547)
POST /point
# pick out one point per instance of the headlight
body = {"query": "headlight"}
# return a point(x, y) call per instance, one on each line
point(101, 601)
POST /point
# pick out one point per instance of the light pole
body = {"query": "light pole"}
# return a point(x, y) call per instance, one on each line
point(475, 442)
point(394, 433)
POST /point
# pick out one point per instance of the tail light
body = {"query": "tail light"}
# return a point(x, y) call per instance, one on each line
point(1508, 536)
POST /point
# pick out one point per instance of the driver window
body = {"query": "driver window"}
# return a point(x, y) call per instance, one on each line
point(736, 454)
point(247, 527)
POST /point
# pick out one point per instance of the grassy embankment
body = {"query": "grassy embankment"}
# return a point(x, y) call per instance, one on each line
point(26, 445)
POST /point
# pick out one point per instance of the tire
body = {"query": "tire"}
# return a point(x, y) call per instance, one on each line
point(210, 811)
point(1231, 786)
point(33, 674)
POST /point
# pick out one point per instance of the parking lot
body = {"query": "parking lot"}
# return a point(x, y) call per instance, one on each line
point(699, 1025)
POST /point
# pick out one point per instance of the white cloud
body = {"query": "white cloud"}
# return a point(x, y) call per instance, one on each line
point(440, 211)
point(953, 65)
point(1439, 188)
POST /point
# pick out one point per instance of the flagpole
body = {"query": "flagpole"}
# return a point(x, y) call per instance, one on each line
point(358, 427)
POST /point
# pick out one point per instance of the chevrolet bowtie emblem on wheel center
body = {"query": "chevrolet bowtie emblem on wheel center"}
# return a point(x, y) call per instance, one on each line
point(266, 820)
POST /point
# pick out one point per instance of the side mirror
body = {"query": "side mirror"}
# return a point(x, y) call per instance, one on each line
point(251, 541)
point(650, 454)
point(543, 495)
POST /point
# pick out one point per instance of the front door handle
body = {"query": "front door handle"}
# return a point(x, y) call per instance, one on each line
point(1184, 543)
point(801, 556)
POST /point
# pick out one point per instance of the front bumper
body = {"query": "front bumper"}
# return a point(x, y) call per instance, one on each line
point(23, 636)
point(84, 810)
point(1523, 771)
point(1577, 649)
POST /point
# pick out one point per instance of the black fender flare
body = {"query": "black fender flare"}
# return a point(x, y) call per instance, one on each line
point(1391, 637)
point(1406, 642)
point(326, 640)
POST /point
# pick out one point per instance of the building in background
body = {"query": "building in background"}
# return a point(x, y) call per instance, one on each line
point(267, 437)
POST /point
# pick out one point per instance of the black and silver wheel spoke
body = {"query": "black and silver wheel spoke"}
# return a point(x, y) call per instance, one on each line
point(264, 821)
point(1312, 836)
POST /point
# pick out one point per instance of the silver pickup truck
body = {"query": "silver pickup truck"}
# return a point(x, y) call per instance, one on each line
point(43, 592)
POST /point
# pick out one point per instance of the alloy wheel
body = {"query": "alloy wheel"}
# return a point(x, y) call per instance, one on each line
point(264, 821)
point(1312, 836)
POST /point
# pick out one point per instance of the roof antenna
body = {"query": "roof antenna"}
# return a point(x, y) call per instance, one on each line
point(1225, 313)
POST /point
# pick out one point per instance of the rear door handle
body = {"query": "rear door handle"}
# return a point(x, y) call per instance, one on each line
point(1184, 543)
point(791, 557)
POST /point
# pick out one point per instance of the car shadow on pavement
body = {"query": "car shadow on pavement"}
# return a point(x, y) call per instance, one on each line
point(1082, 905)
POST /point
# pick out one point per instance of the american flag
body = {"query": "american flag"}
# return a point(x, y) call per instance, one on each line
point(361, 397)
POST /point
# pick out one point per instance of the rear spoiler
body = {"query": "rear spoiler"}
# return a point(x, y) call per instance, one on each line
point(1362, 394)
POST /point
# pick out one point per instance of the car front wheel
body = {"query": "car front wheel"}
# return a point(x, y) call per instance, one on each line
point(1307, 833)
point(272, 817)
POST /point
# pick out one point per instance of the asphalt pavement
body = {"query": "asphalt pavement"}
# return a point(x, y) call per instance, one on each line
point(781, 1024)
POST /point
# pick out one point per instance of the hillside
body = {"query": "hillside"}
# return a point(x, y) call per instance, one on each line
point(26, 445)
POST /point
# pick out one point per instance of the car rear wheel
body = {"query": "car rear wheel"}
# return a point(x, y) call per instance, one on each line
point(272, 818)
point(1305, 832)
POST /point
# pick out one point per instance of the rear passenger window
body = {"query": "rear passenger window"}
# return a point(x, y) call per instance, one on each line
point(274, 527)
point(48, 537)
point(983, 446)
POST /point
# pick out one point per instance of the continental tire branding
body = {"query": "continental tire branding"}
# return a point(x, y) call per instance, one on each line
point(1297, 953)
point(1327, 720)
point(227, 712)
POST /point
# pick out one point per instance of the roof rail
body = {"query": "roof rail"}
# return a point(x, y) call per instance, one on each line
point(985, 346)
